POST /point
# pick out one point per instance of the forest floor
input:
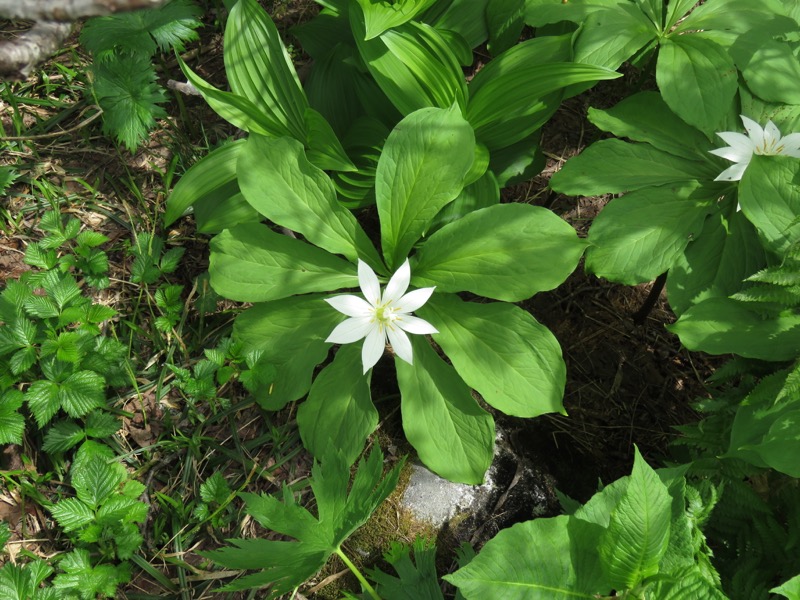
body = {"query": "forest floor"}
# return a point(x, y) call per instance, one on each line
point(627, 383)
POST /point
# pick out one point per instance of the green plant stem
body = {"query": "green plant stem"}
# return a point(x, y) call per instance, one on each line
point(370, 590)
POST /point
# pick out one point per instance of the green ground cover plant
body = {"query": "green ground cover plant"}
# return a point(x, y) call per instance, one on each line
point(364, 209)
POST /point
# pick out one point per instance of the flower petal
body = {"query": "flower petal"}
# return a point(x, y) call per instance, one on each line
point(754, 130)
point(369, 284)
point(772, 135)
point(732, 173)
point(415, 325)
point(373, 348)
point(351, 330)
point(397, 285)
point(400, 344)
point(738, 141)
point(730, 153)
point(791, 145)
point(413, 300)
point(352, 306)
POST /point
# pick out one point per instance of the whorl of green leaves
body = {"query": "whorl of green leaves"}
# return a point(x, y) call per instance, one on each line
point(124, 78)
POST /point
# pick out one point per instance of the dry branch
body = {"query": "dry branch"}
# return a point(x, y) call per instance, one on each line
point(19, 57)
point(69, 10)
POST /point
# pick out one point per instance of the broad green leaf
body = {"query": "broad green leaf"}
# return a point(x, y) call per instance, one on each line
point(212, 172)
point(507, 252)
point(654, 10)
point(765, 431)
point(223, 208)
point(252, 263)
point(453, 436)
point(422, 168)
point(380, 15)
point(676, 9)
point(290, 334)
point(716, 262)
point(235, 109)
point(767, 62)
point(413, 65)
point(697, 79)
point(502, 352)
point(645, 117)
point(260, 69)
point(519, 162)
point(723, 326)
point(770, 199)
point(609, 37)
point(287, 564)
point(102, 424)
point(281, 184)
point(548, 12)
point(323, 147)
point(790, 589)
point(96, 480)
point(511, 106)
point(614, 166)
point(733, 16)
point(505, 20)
point(72, 514)
point(464, 17)
point(637, 237)
point(535, 560)
point(483, 193)
point(638, 531)
point(338, 414)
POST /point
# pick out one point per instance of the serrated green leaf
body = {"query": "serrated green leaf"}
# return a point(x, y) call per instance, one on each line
point(129, 95)
point(90, 239)
point(215, 489)
point(22, 360)
point(121, 508)
point(96, 479)
point(72, 514)
point(638, 532)
point(42, 307)
point(62, 436)
point(102, 424)
point(12, 424)
point(40, 257)
point(43, 401)
point(417, 579)
point(287, 564)
point(82, 392)
point(790, 589)
point(142, 32)
point(171, 259)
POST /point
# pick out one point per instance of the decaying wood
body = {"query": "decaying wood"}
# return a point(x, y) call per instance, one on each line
point(52, 24)
point(69, 10)
point(20, 56)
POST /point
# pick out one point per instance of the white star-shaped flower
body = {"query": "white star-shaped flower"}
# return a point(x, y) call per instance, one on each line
point(766, 141)
point(378, 317)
